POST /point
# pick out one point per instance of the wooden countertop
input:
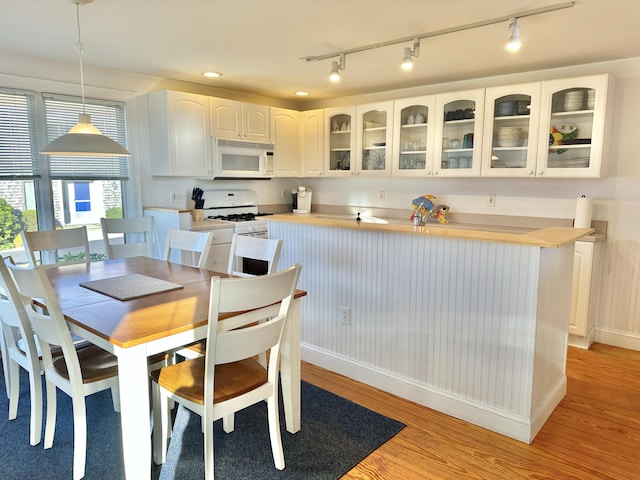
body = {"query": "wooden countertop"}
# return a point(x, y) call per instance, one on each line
point(548, 237)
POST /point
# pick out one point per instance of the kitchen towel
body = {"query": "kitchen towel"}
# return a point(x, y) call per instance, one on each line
point(584, 210)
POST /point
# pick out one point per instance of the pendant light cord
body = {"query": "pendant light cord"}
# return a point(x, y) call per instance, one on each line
point(80, 50)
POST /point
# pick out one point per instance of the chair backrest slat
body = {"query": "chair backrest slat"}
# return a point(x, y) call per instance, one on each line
point(55, 240)
point(136, 234)
point(194, 247)
point(245, 246)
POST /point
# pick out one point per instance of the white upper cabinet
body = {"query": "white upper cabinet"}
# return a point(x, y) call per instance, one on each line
point(179, 134)
point(340, 143)
point(413, 137)
point(284, 133)
point(511, 130)
point(459, 133)
point(576, 118)
point(312, 142)
point(239, 121)
point(374, 127)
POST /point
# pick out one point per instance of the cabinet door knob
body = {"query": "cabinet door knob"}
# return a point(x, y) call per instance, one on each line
point(540, 172)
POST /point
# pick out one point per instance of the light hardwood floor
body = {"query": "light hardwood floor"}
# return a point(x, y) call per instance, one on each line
point(594, 433)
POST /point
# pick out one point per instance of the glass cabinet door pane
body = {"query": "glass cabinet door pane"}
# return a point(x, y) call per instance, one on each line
point(457, 138)
point(511, 123)
point(571, 128)
point(413, 137)
point(374, 136)
point(340, 142)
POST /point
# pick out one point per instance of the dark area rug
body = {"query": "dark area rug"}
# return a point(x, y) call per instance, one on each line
point(336, 435)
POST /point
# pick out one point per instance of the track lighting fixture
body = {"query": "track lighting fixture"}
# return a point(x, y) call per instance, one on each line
point(410, 54)
point(513, 39)
point(336, 68)
point(84, 139)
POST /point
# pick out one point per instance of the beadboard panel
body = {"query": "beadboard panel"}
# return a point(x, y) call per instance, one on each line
point(458, 317)
point(618, 319)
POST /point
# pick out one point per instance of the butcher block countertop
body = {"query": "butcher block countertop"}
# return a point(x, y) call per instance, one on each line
point(547, 237)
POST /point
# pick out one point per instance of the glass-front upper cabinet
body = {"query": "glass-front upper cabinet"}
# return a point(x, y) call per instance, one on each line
point(511, 127)
point(413, 136)
point(339, 141)
point(459, 137)
point(575, 113)
point(373, 144)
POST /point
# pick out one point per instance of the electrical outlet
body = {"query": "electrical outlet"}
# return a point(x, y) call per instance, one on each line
point(491, 201)
point(381, 195)
point(176, 197)
point(346, 316)
point(282, 194)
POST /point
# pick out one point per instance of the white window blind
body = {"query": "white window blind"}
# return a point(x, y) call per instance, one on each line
point(61, 113)
point(18, 145)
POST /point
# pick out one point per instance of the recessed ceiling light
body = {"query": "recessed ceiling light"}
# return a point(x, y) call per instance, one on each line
point(211, 74)
point(302, 94)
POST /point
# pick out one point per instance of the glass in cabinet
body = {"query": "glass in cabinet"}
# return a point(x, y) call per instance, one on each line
point(413, 134)
point(574, 114)
point(374, 138)
point(460, 134)
point(511, 125)
point(339, 140)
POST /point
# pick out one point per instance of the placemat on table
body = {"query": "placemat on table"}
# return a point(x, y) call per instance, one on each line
point(126, 287)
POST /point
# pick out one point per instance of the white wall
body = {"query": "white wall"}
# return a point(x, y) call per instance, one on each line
point(617, 197)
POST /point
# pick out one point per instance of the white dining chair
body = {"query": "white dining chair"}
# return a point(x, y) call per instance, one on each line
point(243, 246)
point(78, 373)
point(45, 243)
point(255, 248)
point(228, 378)
point(192, 248)
point(127, 237)
point(20, 350)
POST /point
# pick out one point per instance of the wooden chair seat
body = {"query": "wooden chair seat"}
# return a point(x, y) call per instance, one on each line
point(232, 379)
point(95, 364)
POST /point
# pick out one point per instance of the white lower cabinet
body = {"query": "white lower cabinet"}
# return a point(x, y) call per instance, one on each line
point(584, 293)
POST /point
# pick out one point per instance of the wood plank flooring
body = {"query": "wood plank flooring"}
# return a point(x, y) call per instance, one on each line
point(593, 434)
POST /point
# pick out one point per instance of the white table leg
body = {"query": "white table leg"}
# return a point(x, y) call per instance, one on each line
point(135, 413)
point(290, 369)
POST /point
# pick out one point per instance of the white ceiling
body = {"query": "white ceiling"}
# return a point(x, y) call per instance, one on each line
point(258, 44)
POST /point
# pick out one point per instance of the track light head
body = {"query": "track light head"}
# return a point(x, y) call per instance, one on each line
point(513, 39)
point(336, 68)
point(407, 60)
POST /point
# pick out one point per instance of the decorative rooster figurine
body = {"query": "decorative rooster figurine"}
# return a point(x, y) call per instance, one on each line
point(425, 207)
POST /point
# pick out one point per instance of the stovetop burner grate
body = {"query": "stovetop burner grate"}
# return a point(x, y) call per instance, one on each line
point(238, 217)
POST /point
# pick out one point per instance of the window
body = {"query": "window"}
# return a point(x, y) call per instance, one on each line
point(46, 192)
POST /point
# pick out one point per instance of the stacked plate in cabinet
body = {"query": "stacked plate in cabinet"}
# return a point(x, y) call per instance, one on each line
point(510, 136)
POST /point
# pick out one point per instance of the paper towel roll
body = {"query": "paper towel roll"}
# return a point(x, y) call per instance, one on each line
point(584, 210)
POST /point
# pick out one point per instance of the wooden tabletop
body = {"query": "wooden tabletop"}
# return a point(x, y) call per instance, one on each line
point(140, 320)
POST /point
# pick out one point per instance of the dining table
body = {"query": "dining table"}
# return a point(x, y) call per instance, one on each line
point(143, 326)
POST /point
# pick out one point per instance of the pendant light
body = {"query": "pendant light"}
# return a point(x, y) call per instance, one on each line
point(84, 139)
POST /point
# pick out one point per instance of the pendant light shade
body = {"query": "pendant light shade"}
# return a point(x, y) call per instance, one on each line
point(84, 139)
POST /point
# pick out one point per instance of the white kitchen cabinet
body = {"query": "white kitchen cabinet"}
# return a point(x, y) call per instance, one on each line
point(511, 130)
point(584, 293)
point(413, 137)
point(312, 142)
point(239, 120)
point(575, 121)
point(285, 137)
point(340, 142)
point(459, 133)
point(374, 127)
point(179, 134)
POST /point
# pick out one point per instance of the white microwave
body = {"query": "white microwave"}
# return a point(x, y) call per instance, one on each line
point(237, 159)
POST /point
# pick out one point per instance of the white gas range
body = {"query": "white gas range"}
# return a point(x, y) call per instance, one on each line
point(238, 208)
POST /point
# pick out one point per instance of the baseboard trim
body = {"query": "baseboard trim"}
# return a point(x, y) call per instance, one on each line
point(514, 426)
point(618, 339)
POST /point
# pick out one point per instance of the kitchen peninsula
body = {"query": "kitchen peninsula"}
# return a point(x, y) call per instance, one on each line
point(469, 321)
